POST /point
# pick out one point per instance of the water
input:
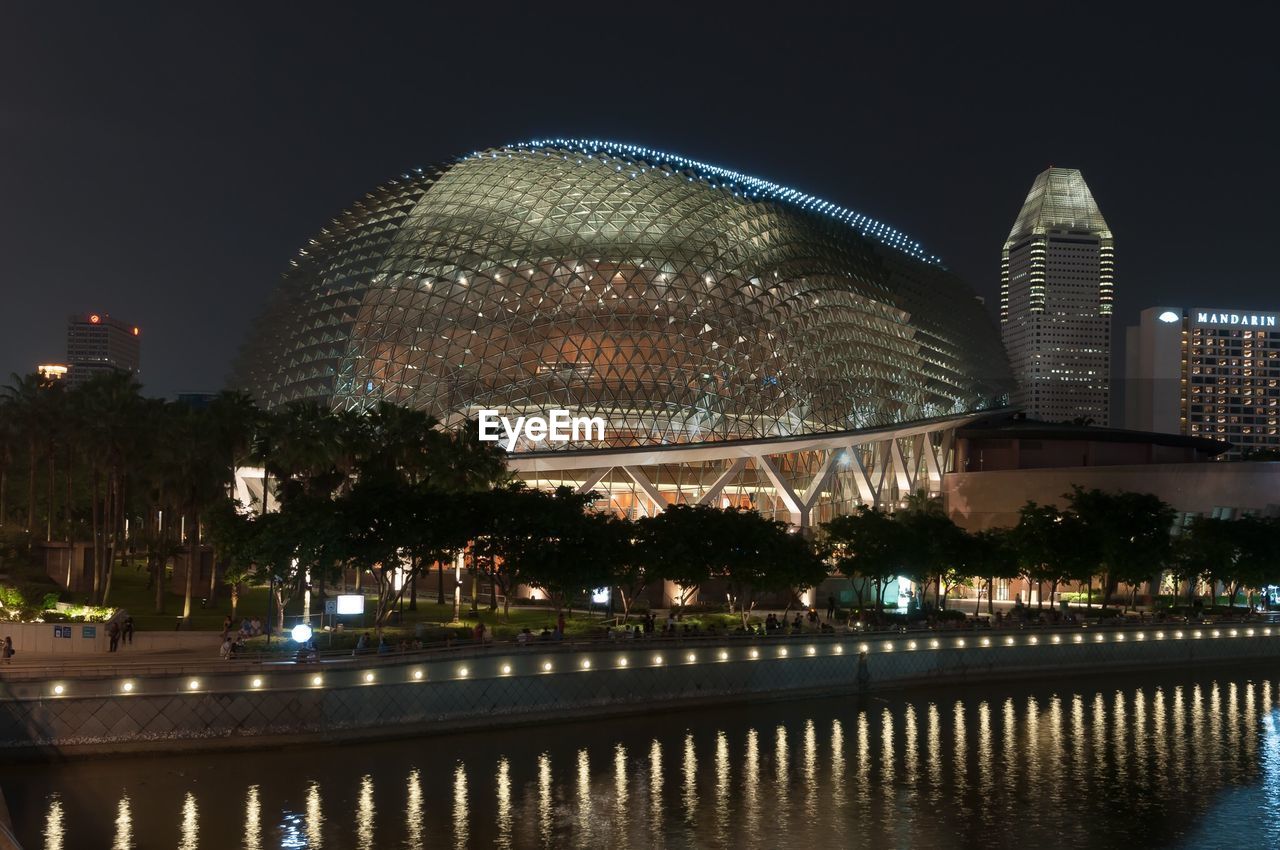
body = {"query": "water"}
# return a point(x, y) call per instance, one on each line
point(1165, 761)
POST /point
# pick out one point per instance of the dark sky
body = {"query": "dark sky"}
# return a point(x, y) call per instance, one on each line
point(163, 163)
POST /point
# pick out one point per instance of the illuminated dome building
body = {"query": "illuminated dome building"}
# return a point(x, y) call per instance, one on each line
point(744, 342)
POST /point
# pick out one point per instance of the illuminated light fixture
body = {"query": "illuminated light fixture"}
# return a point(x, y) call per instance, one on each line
point(1099, 638)
point(368, 677)
point(256, 683)
point(58, 689)
point(724, 656)
point(1178, 635)
point(1159, 635)
point(755, 653)
point(95, 319)
point(417, 674)
point(1008, 641)
point(1197, 634)
point(839, 649)
point(888, 647)
point(1249, 632)
point(1169, 317)
point(127, 687)
point(1057, 639)
point(546, 668)
point(986, 641)
point(1217, 633)
point(1119, 637)
point(1033, 640)
point(960, 642)
point(300, 633)
point(1267, 631)
point(1079, 638)
point(317, 680)
point(462, 672)
point(657, 659)
point(1141, 636)
point(911, 644)
point(586, 664)
point(506, 669)
point(934, 643)
point(622, 662)
point(691, 658)
point(782, 653)
point(864, 648)
point(193, 684)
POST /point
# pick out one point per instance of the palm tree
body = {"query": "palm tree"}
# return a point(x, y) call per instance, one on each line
point(24, 402)
point(193, 475)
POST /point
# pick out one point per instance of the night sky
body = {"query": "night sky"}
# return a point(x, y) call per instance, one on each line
point(163, 164)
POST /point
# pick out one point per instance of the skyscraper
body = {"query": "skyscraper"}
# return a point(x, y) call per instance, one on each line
point(1056, 289)
point(1206, 372)
point(98, 343)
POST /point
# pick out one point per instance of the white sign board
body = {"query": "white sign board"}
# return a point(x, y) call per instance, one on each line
point(351, 603)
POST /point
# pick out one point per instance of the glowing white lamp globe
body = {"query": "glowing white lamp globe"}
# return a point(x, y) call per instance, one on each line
point(301, 633)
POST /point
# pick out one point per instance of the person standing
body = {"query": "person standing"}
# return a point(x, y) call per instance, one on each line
point(113, 632)
point(128, 630)
point(7, 650)
point(831, 607)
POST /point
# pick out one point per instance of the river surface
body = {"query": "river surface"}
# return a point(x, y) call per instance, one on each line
point(1170, 760)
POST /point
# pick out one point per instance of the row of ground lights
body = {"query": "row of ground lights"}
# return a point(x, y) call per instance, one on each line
point(657, 660)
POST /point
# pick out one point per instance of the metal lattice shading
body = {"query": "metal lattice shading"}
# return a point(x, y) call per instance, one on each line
point(678, 301)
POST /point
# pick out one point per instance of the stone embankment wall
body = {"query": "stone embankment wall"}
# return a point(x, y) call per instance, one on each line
point(233, 704)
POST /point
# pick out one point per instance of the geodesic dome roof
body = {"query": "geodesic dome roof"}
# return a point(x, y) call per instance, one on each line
point(678, 301)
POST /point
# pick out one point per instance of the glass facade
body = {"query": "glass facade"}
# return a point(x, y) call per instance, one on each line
point(680, 302)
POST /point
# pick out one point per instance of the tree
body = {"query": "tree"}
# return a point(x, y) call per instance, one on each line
point(928, 548)
point(867, 543)
point(1128, 533)
point(676, 546)
point(1045, 542)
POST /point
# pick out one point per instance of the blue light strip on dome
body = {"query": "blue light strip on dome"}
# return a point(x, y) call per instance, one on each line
point(739, 184)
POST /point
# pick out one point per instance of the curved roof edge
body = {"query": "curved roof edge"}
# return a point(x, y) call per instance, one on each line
point(737, 183)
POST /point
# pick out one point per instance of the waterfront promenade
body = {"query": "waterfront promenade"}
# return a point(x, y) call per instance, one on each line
point(158, 703)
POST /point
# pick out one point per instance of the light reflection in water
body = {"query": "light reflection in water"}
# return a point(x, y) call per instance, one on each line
point(190, 824)
point(810, 769)
point(620, 792)
point(504, 803)
point(690, 780)
point(364, 813)
point(53, 836)
point(722, 787)
point(413, 812)
point(461, 817)
point(1031, 741)
point(864, 761)
point(252, 820)
point(873, 772)
point(911, 744)
point(585, 824)
point(124, 826)
point(781, 778)
point(545, 791)
point(934, 748)
point(751, 782)
point(655, 782)
point(986, 759)
point(315, 819)
point(837, 765)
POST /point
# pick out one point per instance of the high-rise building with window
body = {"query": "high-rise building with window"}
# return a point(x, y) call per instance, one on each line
point(1057, 277)
point(97, 343)
point(1205, 372)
